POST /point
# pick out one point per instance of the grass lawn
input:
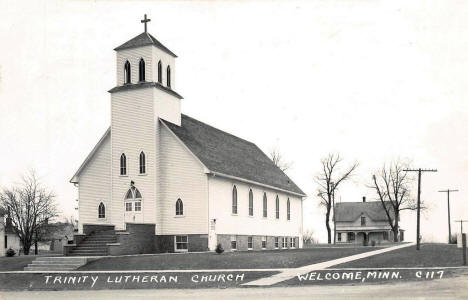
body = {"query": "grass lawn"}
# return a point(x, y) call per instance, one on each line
point(15, 263)
point(227, 260)
point(430, 255)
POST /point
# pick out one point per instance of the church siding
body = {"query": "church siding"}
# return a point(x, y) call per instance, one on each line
point(95, 187)
point(133, 55)
point(181, 176)
point(133, 131)
point(220, 191)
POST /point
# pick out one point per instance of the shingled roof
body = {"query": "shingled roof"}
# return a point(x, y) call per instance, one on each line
point(144, 39)
point(350, 211)
point(224, 153)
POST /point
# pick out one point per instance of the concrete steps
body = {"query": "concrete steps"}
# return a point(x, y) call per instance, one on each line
point(94, 244)
point(60, 263)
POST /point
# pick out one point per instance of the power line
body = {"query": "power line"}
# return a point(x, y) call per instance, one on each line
point(448, 209)
point(420, 171)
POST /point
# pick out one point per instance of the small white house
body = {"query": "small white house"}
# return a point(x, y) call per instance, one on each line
point(195, 185)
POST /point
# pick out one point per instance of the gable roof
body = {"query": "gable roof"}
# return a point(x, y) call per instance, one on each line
point(225, 154)
point(144, 39)
point(350, 211)
point(74, 179)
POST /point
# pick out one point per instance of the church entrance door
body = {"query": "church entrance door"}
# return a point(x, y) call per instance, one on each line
point(133, 206)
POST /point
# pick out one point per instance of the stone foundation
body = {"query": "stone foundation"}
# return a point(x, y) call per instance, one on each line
point(136, 239)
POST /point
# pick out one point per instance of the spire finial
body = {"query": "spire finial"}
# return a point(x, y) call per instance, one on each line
point(145, 21)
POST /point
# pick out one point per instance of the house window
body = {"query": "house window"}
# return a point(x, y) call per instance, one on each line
point(127, 73)
point(181, 243)
point(179, 210)
point(249, 243)
point(123, 164)
point(142, 163)
point(339, 236)
point(168, 74)
point(6, 241)
point(277, 207)
point(137, 205)
point(265, 205)
point(288, 209)
point(294, 242)
point(264, 239)
point(276, 242)
point(234, 200)
point(363, 221)
point(141, 74)
point(128, 206)
point(233, 242)
point(101, 211)
point(285, 242)
point(291, 242)
point(385, 236)
point(250, 203)
point(351, 236)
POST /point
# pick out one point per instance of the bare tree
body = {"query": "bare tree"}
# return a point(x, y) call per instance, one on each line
point(392, 185)
point(308, 237)
point(328, 181)
point(278, 160)
point(30, 207)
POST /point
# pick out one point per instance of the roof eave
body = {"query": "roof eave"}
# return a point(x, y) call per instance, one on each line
point(257, 183)
point(75, 178)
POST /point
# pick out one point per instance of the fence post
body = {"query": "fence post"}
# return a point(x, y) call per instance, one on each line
point(464, 248)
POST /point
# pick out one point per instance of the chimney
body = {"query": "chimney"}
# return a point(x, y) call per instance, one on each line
point(364, 199)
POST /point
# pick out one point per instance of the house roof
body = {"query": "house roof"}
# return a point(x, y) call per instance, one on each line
point(225, 154)
point(144, 39)
point(350, 211)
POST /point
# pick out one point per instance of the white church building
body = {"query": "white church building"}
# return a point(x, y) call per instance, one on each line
point(161, 181)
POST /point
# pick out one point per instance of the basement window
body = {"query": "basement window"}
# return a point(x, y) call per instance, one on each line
point(181, 243)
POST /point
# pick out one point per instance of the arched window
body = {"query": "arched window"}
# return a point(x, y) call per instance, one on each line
point(277, 207)
point(168, 76)
point(127, 73)
point(101, 211)
point(142, 163)
point(250, 203)
point(234, 200)
point(288, 204)
point(133, 199)
point(265, 205)
point(159, 72)
point(141, 75)
point(179, 208)
point(123, 164)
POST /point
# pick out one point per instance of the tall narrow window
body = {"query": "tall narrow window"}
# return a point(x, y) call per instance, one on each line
point(276, 242)
point(168, 76)
point(159, 72)
point(234, 200)
point(142, 163)
point(288, 208)
point(179, 208)
point(101, 211)
point(141, 74)
point(123, 164)
point(363, 221)
point(249, 243)
point(127, 72)
point(277, 207)
point(250, 203)
point(265, 205)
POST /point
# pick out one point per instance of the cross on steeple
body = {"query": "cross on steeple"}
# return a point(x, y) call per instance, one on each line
point(145, 20)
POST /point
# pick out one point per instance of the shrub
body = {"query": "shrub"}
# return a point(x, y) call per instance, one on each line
point(219, 249)
point(10, 252)
point(453, 238)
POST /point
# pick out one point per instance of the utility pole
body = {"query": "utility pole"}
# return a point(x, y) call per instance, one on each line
point(334, 216)
point(461, 224)
point(448, 209)
point(419, 201)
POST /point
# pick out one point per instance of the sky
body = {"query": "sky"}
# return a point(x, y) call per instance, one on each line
point(371, 80)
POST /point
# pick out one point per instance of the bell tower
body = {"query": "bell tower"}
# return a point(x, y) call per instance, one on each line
point(143, 94)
